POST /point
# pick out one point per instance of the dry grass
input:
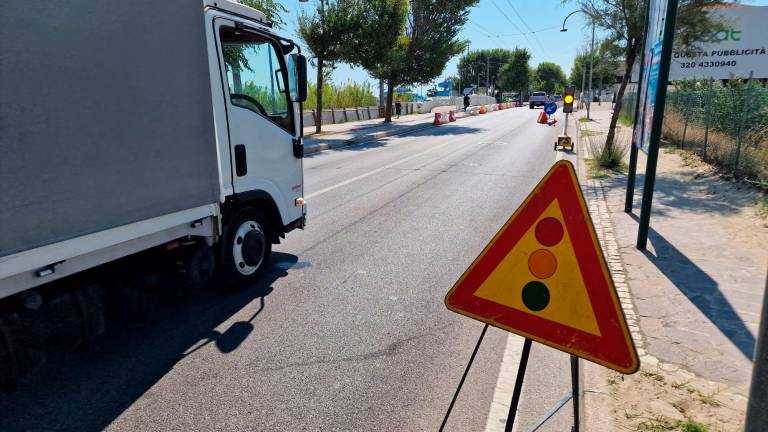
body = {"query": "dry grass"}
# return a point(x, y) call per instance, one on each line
point(721, 148)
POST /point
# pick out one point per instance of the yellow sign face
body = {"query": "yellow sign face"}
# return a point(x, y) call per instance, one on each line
point(556, 267)
point(568, 99)
point(544, 277)
point(564, 141)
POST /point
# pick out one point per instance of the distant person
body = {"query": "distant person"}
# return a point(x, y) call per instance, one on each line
point(466, 101)
point(398, 107)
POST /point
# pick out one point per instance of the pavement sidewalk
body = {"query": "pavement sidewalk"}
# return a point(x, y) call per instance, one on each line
point(344, 134)
point(692, 299)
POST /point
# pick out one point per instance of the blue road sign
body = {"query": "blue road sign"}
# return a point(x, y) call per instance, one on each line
point(550, 108)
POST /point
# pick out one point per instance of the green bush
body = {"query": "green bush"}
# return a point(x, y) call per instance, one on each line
point(348, 95)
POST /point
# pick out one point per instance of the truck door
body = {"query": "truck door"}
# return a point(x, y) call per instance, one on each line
point(261, 117)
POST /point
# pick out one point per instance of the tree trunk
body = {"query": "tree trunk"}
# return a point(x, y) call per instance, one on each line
point(388, 108)
point(631, 56)
point(319, 95)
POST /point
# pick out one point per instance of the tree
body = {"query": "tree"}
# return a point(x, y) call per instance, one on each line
point(425, 38)
point(324, 33)
point(551, 77)
point(271, 8)
point(625, 23)
point(606, 64)
point(516, 75)
point(472, 66)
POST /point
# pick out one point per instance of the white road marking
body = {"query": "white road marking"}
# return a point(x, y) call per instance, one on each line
point(370, 173)
point(505, 385)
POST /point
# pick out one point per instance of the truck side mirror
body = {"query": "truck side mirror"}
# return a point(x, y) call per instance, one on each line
point(298, 73)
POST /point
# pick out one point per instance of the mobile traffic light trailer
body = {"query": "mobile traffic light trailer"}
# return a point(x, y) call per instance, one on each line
point(564, 140)
point(127, 126)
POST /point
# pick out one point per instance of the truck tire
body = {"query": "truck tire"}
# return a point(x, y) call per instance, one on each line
point(245, 248)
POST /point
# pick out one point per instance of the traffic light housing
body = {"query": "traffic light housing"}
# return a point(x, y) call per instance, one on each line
point(568, 99)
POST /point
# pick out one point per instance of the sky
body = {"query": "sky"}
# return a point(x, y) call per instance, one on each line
point(499, 24)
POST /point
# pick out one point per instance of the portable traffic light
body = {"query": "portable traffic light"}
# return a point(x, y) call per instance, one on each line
point(568, 99)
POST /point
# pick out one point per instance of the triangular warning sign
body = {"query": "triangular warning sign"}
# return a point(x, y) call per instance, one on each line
point(544, 277)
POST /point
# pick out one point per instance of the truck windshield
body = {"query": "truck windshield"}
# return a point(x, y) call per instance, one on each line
point(255, 75)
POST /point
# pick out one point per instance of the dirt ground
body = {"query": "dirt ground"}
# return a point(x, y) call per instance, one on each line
point(660, 397)
point(666, 397)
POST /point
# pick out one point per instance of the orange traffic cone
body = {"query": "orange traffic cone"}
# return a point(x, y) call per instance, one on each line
point(451, 116)
point(438, 119)
point(542, 118)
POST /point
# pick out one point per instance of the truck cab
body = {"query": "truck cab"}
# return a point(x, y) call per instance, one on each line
point(258, 81)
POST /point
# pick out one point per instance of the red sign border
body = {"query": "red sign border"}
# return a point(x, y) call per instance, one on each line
point(614, 348)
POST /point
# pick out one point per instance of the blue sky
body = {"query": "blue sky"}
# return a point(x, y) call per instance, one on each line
point(499, 24)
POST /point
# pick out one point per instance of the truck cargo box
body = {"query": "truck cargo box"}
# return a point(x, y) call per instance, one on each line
point(105, 116)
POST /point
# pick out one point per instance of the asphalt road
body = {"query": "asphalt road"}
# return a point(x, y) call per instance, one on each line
point(348, 332)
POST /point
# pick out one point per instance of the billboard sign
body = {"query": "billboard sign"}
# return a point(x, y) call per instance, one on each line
point(649, 86)
point(740, 48)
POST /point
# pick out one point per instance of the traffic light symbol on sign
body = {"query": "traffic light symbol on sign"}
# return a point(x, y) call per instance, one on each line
point(540, 275)
point(544, 277)
point(568, 99)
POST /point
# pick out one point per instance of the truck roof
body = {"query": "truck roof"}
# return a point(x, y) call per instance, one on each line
point(238, 9)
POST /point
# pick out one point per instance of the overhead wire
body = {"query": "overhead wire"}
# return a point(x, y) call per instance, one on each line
point(525, 23)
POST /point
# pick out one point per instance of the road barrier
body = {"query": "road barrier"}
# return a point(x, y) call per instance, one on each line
point(451, 116)
point(483, 110)
point(438, 119)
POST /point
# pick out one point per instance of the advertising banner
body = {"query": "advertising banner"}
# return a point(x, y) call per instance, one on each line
point(657, 12)
point(740, 48)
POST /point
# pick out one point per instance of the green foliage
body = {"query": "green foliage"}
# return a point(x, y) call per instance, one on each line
point(605, 66)
point(551, 77)
point(272, 102)
point(472, 66)
point(726, 125)
point(271, 8)
point(690, 425)
point(348, 95)
point(624, 22)
point(325, 32)
point(406, 45)
point(516, 74)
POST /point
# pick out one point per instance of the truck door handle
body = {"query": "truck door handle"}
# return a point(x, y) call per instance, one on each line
point(241, 164)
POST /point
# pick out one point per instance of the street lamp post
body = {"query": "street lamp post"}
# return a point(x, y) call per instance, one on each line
point(591, 57)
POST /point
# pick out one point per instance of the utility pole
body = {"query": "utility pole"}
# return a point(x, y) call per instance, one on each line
point(591, 61)
point(757, 406)
point(583, 83)
point(487, 74)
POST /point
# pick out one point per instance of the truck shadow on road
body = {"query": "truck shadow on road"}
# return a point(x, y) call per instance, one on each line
point(87, 391)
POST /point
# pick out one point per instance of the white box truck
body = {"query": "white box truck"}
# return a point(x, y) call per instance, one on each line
point(128, 125)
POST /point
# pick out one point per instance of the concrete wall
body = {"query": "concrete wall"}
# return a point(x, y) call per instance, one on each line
point(343, 115)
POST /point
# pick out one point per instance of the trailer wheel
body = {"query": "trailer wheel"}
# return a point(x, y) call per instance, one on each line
point(245, 247)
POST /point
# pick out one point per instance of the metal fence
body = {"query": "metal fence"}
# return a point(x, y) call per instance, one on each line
point(727, 126)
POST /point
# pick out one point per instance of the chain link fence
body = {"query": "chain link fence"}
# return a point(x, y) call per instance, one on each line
point(726, 125)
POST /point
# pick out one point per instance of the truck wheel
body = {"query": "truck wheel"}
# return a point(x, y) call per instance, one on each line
point(245, 247)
